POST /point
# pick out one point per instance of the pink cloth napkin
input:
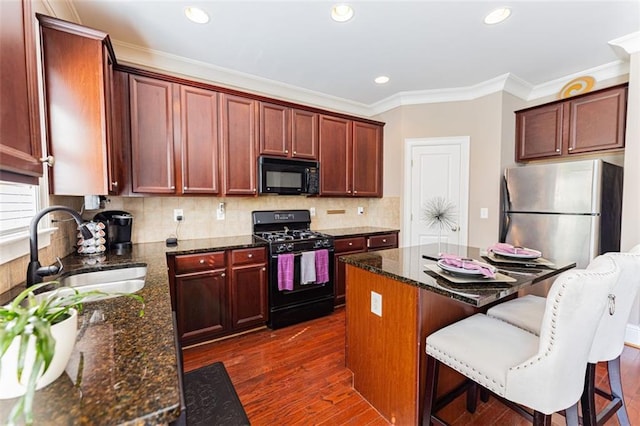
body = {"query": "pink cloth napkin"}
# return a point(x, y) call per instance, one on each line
point(285, 272)
point(508, 248)
point(459, 262)
point(322, 266)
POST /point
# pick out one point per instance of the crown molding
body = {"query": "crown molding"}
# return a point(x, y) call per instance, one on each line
point(630, 44)
point(61, 9)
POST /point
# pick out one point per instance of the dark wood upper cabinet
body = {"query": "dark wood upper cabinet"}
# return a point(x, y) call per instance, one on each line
point(335, 156)
point(152, 150)
point(288, 132)
point(200, 148)
point(239, 143)
point(367, 160)
point(77, 68)
point(586, 123)
point(350, 158)
point(20, 142)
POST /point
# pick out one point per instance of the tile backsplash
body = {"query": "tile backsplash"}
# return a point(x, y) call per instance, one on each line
point(153, 220)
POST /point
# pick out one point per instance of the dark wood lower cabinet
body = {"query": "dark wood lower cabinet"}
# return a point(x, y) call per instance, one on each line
point(220, 293)
point(201, 306)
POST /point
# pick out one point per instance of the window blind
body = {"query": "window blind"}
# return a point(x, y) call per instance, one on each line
point(18, 205)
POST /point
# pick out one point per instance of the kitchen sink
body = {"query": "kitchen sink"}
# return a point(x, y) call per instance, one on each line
point(113, 282)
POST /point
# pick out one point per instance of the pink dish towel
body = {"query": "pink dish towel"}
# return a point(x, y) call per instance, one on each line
point(285, 272)
point(459, 262)
point(508, 248)
point(322, 266)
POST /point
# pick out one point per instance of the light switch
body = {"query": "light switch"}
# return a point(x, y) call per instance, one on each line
point(484, 213)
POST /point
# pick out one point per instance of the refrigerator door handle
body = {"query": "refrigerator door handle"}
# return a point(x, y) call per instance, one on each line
point(506, 207)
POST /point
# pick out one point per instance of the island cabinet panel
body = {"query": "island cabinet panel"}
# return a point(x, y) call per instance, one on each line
point(77, 64)
point(201, 305)
point(239, 142)
point(335, 156)
point(199, 144)
point(582, 124)
point(304, 134)
point(387, 353)
point(20, 144)
point(367, 160)
point(152, 150)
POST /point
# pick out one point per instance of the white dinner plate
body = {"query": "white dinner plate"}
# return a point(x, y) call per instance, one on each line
point(463, 271)
point(534, 254)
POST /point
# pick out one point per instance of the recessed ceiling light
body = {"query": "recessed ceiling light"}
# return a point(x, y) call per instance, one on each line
point(497, 16)
point(341, 12)
point(382, 79)
point(196, 15)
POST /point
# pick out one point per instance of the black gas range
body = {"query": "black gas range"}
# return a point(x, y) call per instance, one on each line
point(295, 254)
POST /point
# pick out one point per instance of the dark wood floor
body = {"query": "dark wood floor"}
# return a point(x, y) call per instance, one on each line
point(297, 376)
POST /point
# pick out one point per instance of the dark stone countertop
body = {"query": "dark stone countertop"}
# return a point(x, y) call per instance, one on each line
point(407, 265)
point(359, 230)
point(124, 368)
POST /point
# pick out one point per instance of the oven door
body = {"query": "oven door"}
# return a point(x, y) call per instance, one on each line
point(301, 293)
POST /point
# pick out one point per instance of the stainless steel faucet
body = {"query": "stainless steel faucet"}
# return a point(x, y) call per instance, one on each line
point(35, 271)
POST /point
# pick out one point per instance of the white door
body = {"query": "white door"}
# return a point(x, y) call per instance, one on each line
point(436, 173)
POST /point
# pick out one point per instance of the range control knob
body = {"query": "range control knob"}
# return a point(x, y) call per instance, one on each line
point(326, 243)
point(280, 248)
point(317, 244)
point(289, 247)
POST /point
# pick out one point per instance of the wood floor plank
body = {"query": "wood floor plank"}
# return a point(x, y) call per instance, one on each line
point(297, 376)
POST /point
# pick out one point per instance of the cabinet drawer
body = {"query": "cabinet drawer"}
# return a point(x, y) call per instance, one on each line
point(199, 262)
point(382, 241)
point(250, 255)
point(349, 244)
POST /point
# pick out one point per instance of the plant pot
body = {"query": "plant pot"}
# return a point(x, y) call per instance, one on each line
point(64, 333)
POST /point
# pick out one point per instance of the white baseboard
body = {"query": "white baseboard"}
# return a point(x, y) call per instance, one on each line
point(632, 336)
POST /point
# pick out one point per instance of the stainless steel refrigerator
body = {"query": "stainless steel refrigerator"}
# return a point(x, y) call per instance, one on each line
point(569, 211)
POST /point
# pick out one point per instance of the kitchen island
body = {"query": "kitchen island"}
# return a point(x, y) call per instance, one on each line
point(124, 368)
point(385, 350)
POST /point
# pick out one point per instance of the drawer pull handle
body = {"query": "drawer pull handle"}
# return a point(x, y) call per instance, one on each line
point(350, 244)
point(202, 261)
point(384, 240)
point(250, 255)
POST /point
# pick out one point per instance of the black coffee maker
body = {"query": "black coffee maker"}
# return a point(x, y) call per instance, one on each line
point(118, 225)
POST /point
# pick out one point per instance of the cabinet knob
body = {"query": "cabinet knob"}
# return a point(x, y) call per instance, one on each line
point(264, 269)
point(202, 261)
point(185, 188)
point(350, 244)
point(557, 149)
point(114, 184)
point(172, 187)
point(223, 274)
point(355, 192)
point(384, 240)
point(570, 148)
point(348, 191)
point(286, 151)
point(250, 255)
point(49, 160)
point(294, 152)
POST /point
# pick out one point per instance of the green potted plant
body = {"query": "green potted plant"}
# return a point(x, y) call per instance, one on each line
point(37, 335)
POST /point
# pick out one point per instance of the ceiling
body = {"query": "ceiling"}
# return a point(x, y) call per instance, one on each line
point(423, 46)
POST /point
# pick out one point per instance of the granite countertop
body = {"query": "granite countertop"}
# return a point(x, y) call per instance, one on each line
point(407, 265)
point(359, 230)
point(124, 367)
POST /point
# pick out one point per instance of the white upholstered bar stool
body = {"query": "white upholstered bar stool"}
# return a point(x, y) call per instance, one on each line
point(546, 372)
point(526, 312)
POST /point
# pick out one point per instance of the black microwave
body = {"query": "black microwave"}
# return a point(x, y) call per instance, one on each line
point(287, 177)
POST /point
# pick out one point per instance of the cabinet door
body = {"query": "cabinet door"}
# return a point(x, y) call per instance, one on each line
point(199, 141)
point(335, 156)
point(249, 295)
point(344, 246)
point(239, 145)
point(367, 160)
point(152, 156)
point(114, 156)
point(275, 130)
point(75, 82)
point(201, 306)
point(304, 134)
point(597, 121)
point(20, 145)
point(539, 132)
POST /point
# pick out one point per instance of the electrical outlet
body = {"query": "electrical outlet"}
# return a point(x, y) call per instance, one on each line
point(178, 215)
point(312, 211)
point(484, 213)
point(376, 303)
point(220, 211)
point(360, 211)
